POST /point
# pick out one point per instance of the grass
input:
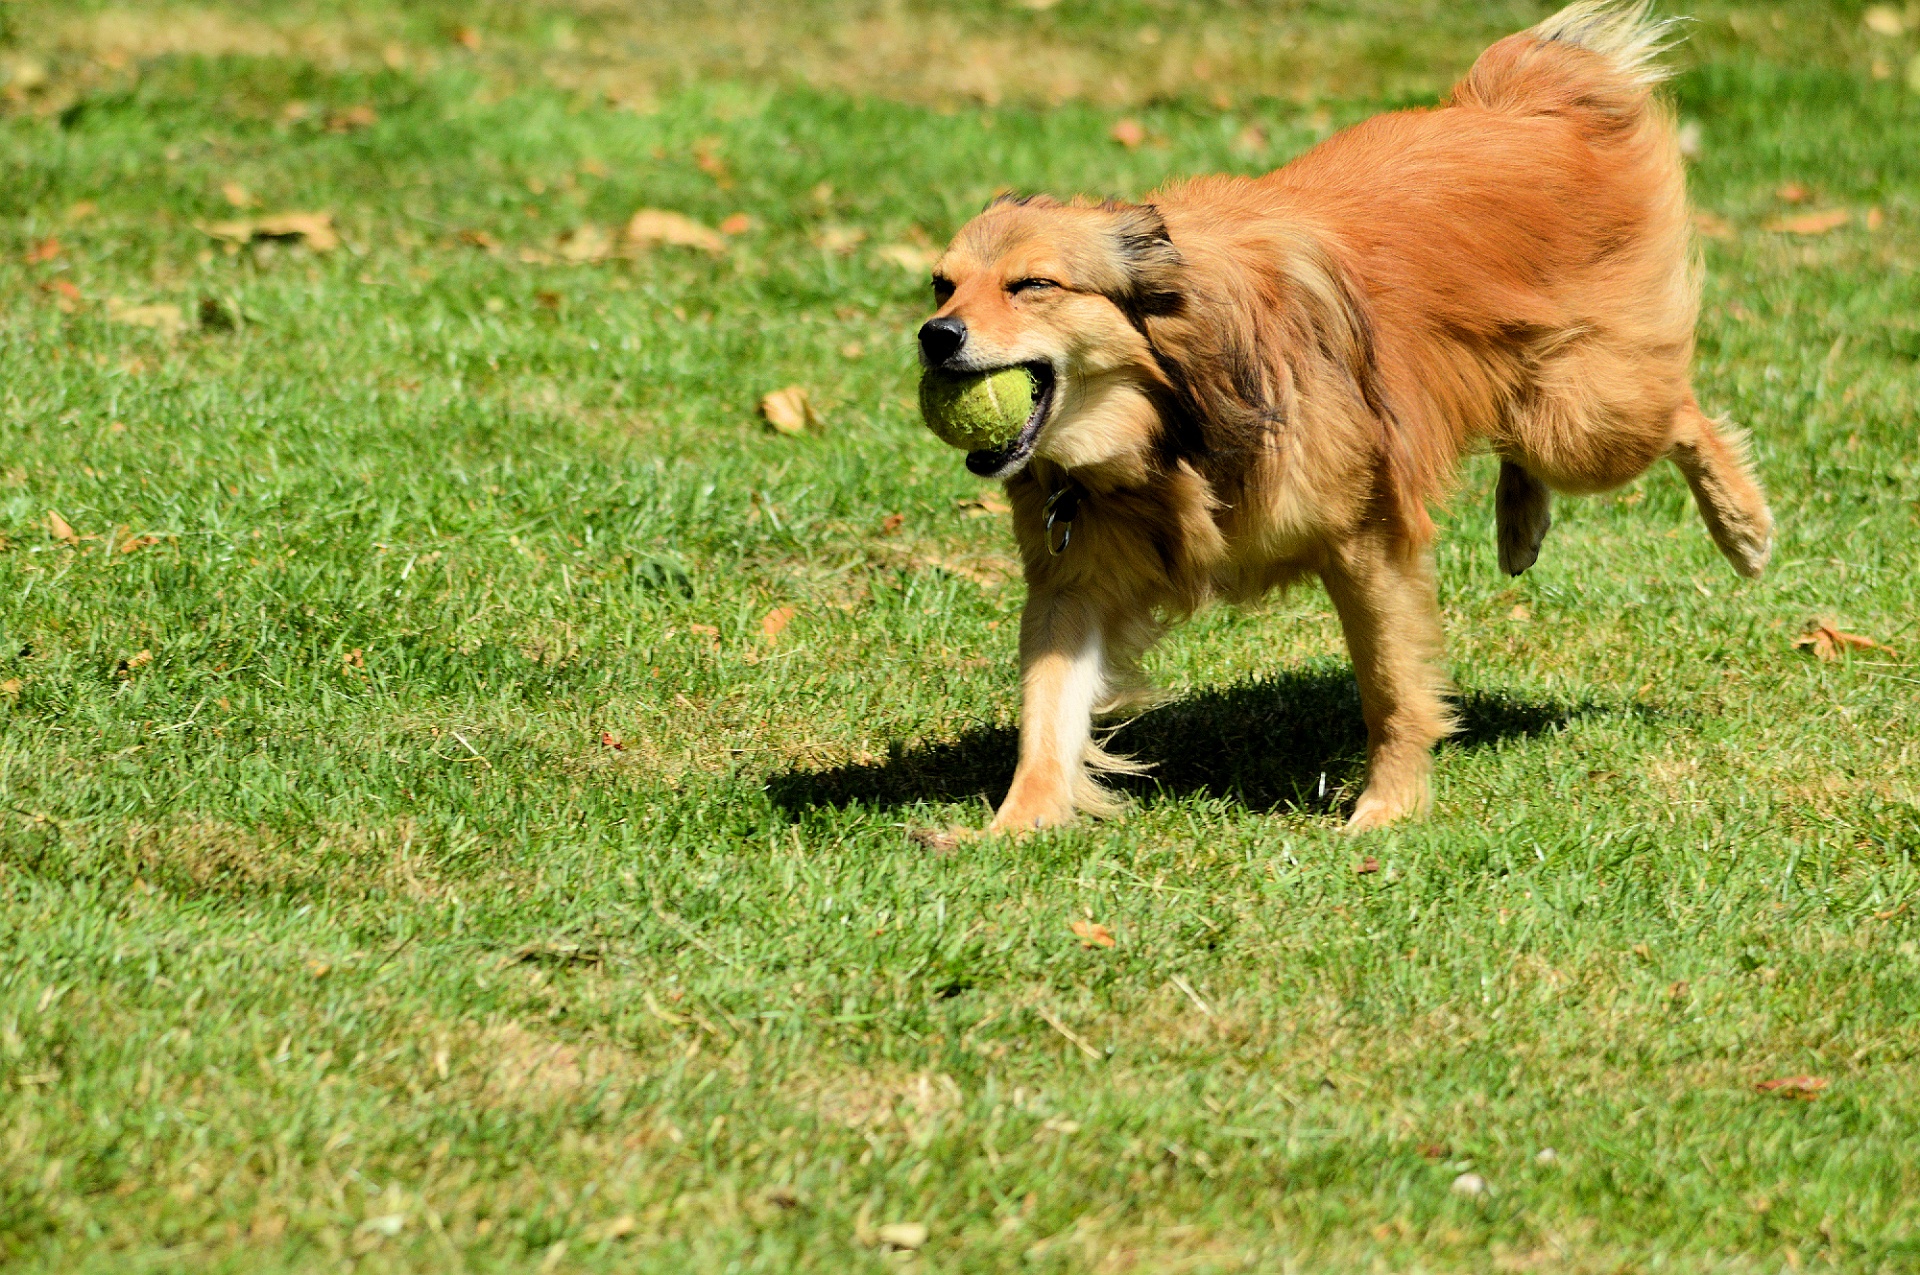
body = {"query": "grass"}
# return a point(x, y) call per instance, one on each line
point(416, 856)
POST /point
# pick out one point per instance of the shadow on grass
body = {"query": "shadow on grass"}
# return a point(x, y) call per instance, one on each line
point(1294, 741)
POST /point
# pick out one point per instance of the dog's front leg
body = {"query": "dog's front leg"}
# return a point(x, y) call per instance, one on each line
point(1383, 589)
point(1062, 677)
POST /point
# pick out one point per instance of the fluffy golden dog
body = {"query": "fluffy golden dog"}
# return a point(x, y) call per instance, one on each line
point(1244, 381)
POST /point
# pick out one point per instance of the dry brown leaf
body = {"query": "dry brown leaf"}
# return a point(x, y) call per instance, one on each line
point(737, 224)
point(1806, 1088)
point(479, 239)
point(315, 229)
point(707, 631)
point(1713, 225)
point(984, 506)
point(651, 226)
point(133, 664)
point(911, 258)
point(607, 740)
point(840, 240)
point(706, 157)
point(1813, 223)
point(467, 38)
point(1875, 218)
point(1366, 867)
point(352, 119)
point(46, 250)
point(58, 528)
point(790, 411)
point(237, 195)
point(775, 622)
point(1092, 934)
point(1827, 641)
point(11, 686)
point(1884, 19)
point(902, 1235)
point(165, 318)
point(892, 523)
point(134, 543)
point(585, 243)
point(1128, 133)
point(1792, 193)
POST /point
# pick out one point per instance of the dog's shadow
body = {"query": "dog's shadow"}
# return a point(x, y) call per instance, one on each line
point(1291, 742)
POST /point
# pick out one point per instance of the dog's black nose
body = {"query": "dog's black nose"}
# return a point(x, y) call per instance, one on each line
point(941, 339)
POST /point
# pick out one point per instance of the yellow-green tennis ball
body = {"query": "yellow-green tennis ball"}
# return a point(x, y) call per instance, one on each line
point(977, 411)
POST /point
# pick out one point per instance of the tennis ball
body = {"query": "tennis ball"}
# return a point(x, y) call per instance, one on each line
point(977, 411)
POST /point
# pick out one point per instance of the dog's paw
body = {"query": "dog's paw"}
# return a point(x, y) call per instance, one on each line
point(1376, 810)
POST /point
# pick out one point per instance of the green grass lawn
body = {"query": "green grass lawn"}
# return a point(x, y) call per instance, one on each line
point(417, 854)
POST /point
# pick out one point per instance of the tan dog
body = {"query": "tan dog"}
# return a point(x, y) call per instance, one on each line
point(1247, 381)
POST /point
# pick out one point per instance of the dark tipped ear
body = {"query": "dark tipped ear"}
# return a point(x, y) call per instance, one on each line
point(1150, 264)
point(1009, 199)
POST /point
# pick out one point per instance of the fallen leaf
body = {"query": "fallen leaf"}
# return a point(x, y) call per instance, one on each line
point(1827, 641)
point(1805, 1088)
point(1128, 133)
point(467, 38)
point(1366, 867)
point(1092, 934)
point(840, 240)
point(1679, 992)
point(708, 632)
point(737, 224)
point(617, 1229)
point(1875, 218)
point(356, 658)
point(584, 244)
point(1884, 19)
point(135, 543)
point(133, 663)
point(1435, 1150)
point(783, 1197)
point(11, 686)
point(651, 226)
point(1813, 223)
point(909, 257)
point(164, 318)
point(237, 195)
point(319, 969)
point(902, 1235)
point(479, 239)
point(1520, 612)
point(983, 506)
point(1791, 193)
point(706, 157)
point(608, 741)
point(892, 523)
point(352, 119)
point(58, 528)
point(1712, 225)
point(775, 622)
point(46, 250)
point(315, 229)
point(790, 411)
point(294, 112)
point(83, 209)
point(1690, 139)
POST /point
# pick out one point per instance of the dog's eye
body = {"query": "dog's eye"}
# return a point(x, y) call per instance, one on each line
point(942, 290)
point(1029, 285)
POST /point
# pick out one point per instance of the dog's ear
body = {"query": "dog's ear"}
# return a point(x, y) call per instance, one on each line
point(1150, 266)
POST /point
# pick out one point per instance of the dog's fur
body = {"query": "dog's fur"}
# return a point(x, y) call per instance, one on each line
point(1256, 380)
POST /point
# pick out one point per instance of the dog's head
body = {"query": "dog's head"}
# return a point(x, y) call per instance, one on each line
point(1066, 291)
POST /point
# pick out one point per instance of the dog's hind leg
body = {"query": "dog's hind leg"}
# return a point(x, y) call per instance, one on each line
point(1384, 591)
point(1714, 459)
point(1522, 512)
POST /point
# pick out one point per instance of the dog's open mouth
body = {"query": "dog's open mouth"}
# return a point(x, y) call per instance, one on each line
point(1003, 462)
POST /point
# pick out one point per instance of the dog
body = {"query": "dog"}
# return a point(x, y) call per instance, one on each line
point(1243, 382)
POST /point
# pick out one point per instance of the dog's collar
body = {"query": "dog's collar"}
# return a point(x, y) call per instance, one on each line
point(1061, 506)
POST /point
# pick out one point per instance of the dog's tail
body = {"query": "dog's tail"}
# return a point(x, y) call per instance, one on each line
point(1597, 59)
